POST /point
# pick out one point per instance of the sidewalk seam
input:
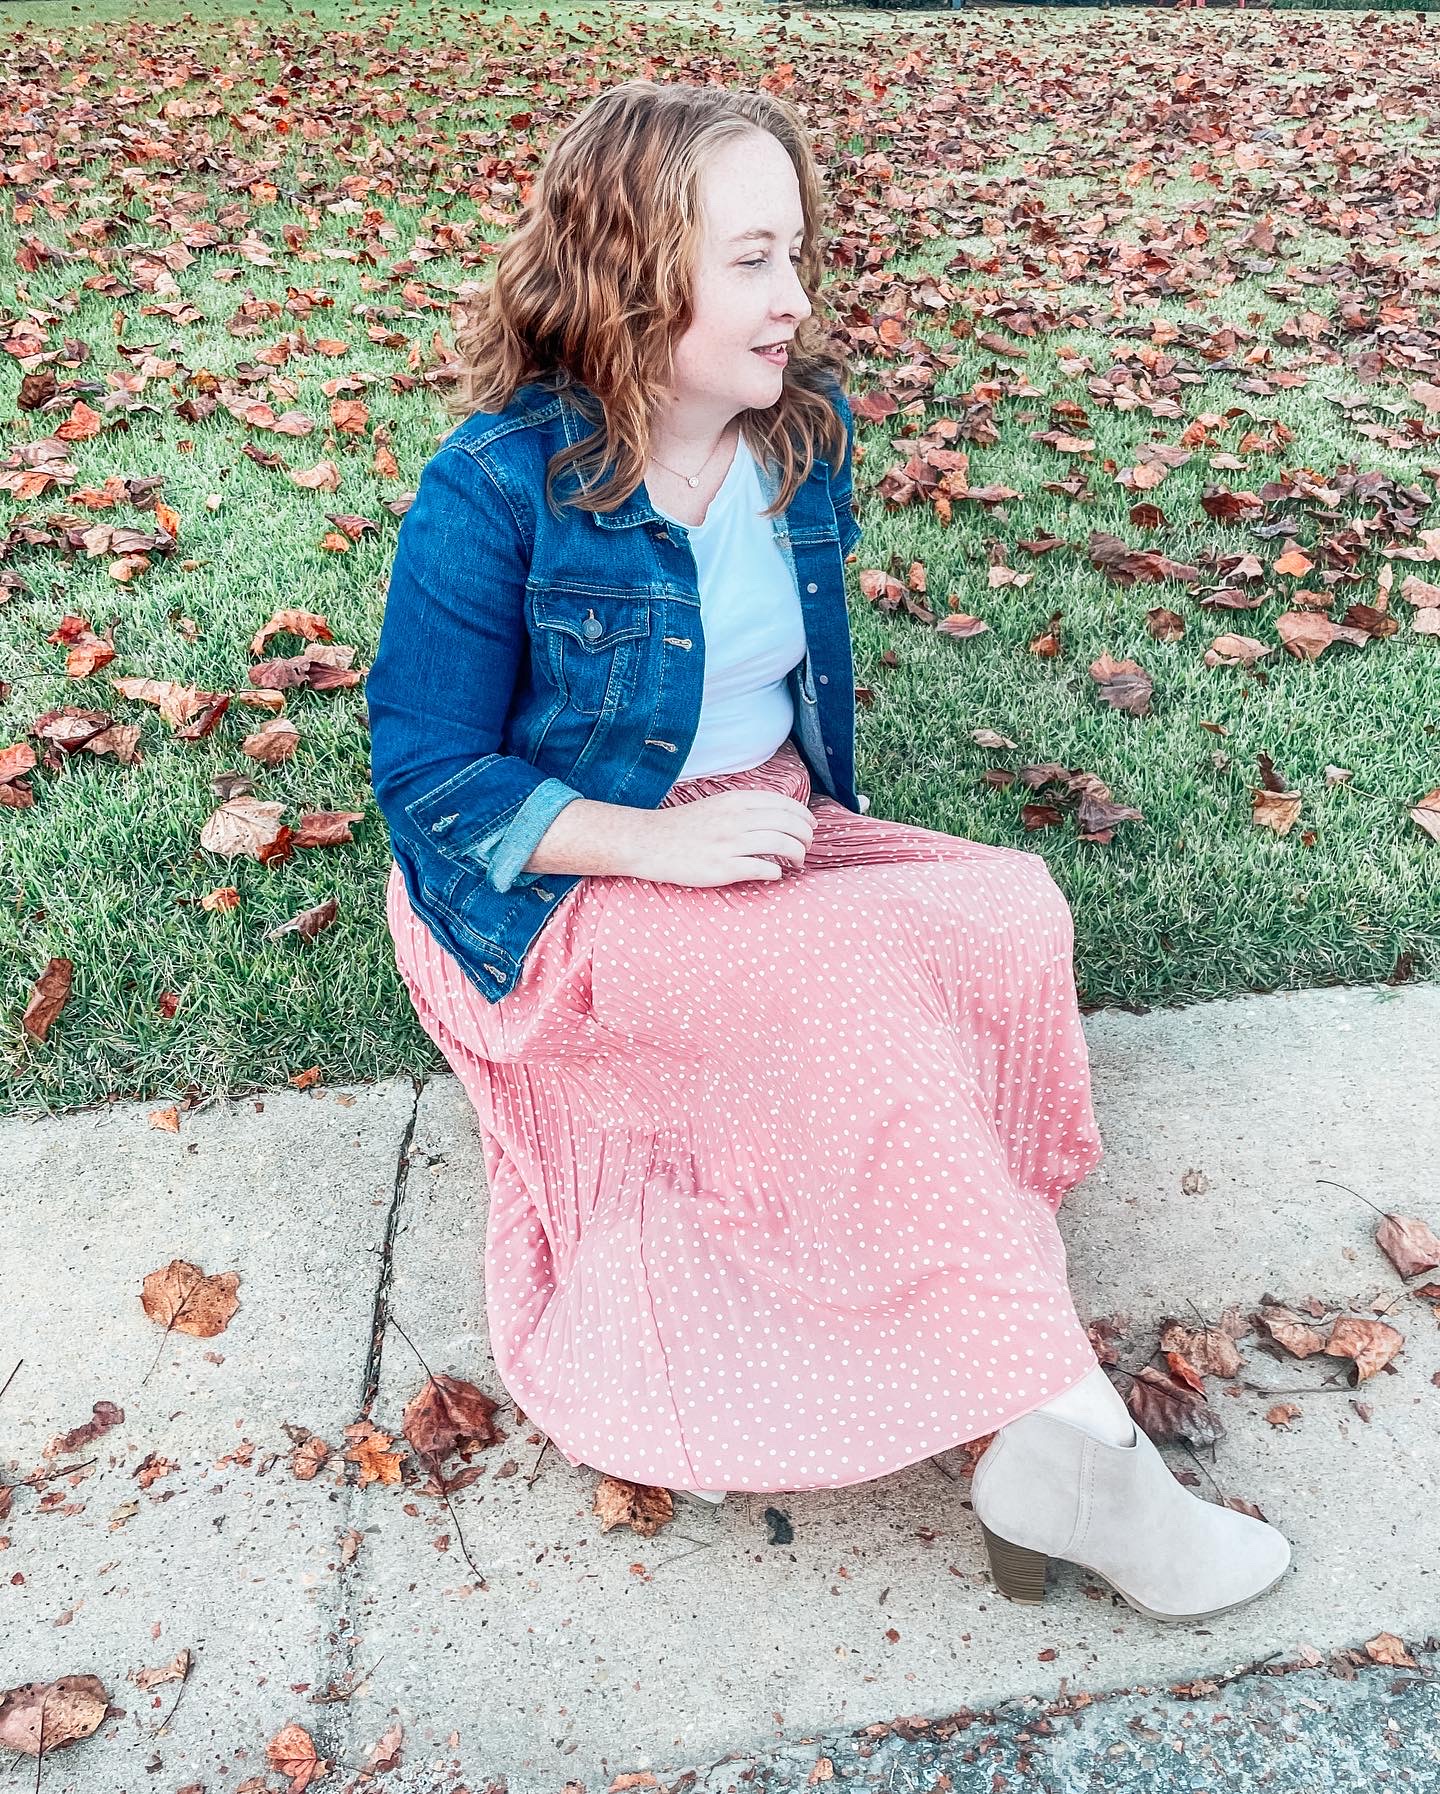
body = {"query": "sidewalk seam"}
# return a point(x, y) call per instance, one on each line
point(380, 1310)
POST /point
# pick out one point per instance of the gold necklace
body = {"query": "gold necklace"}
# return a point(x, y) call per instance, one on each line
point(689, 481)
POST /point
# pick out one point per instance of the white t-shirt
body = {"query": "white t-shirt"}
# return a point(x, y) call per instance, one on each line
point(754, 630)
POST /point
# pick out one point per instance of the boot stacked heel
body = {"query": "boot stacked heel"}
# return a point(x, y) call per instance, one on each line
point(1048, 1489)
point(1018, 1571)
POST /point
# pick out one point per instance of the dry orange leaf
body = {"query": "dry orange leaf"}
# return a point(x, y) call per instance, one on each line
point(48, 997)
point(324, 476)
point(181, 1297)
point(1123, 684)
point(326, 828)
point(308, 1457)
point(15, 793)
point(1369, 1343)
point(1277, 810)
point(304, 623)
point(369, 1451)
point(87, 651)
point(1307, 635)
point(1290, 1330)
point(1426, 814)
point(1235, 650)
point(292, 1752)
point(272, 742)
point(448, 1414)
point(1408, 1243)
point(640, 1506)
point(41, 1717)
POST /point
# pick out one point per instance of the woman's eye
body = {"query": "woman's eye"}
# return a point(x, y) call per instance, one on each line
point(759, 262)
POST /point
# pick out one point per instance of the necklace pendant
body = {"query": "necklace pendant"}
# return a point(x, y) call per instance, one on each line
point(694, 482)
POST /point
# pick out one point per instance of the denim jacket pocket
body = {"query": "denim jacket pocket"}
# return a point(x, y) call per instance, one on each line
point(595, 644)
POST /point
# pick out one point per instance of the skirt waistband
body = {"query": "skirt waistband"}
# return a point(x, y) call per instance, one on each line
point(785, 771)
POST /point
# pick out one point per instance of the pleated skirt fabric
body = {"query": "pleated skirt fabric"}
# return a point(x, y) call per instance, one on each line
point(773, 1167)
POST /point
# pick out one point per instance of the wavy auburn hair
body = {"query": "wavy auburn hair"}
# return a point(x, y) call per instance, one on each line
point(593, 287)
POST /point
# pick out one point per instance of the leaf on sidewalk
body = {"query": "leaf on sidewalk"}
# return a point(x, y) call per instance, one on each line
point(181, 1297)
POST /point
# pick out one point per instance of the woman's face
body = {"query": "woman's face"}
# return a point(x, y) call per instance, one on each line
point(746, 289)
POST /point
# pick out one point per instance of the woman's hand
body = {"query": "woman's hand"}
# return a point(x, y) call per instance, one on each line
point(724, 838)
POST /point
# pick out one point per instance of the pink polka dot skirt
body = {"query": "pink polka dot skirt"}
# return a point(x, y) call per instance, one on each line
point(773, 1166)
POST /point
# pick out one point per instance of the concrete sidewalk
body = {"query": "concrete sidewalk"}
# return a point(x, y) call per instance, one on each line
point(732, 1636)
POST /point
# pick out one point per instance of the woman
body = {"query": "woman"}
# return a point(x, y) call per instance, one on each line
point(778, 1100)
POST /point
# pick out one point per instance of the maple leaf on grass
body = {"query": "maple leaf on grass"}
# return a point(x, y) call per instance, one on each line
point(272, 742)
point(1235, 651)
point(1307, 636)
point(323, 667)
point(1126, 565)
point(1425, 814)
point(87, 652)
point(246, 825)
point(48, 997)
point(307, 923)
point(303, 623)
point(1123, 684)
point(72, 730)
point(1272, 804)
point(326, 828)
point(16, 792)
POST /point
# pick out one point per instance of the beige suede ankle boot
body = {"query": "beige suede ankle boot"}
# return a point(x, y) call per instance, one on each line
point(1045, 1488)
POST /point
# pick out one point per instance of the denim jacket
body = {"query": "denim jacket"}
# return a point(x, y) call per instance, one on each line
point(526, 660)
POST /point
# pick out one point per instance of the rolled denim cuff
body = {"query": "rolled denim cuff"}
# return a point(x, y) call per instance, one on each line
point(524, 832)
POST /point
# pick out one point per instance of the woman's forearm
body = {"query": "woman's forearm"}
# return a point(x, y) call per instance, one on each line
point(594, 838)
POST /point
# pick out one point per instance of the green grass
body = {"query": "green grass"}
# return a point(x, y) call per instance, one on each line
point(1193, 902)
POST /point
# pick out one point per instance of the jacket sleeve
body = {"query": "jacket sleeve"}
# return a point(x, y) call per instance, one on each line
point(842, 483)
point(443, 679)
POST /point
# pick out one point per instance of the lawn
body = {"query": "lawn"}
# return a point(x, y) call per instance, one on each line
point(1163, 277)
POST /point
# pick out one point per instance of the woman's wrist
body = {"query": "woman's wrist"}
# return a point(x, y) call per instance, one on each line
point(595, 839)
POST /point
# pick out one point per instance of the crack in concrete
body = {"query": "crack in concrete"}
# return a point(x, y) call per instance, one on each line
point(337, 1737)
point(380, 1312)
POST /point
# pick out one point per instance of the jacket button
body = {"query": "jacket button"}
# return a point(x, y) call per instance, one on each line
point(824, 678)
point(812, 587)
point(592, 628)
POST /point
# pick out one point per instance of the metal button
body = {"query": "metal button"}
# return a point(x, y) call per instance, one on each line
point(824, 678)
point(829, 750)
point(592, 628)
point(812, 587)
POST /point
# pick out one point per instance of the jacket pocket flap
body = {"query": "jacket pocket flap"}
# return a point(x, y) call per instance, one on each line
point(594, 622)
